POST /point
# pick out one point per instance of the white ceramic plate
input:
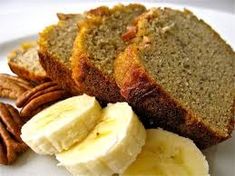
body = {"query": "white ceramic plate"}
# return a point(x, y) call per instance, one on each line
point(19, 25)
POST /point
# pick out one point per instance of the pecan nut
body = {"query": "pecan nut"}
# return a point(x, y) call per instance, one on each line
point(39, 97)
point(129, 34)
point(11, 145)
point(12, 86)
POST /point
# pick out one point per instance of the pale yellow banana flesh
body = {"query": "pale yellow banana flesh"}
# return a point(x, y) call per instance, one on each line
point(167, 154)
point(110, 148)
point(61, 125)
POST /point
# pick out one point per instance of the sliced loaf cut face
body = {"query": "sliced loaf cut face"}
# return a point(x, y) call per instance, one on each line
point(179, 74)
point(98, 43)
point(55, 49)
point(24, 61)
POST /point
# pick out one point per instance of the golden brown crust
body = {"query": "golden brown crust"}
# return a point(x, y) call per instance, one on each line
point(155, 106)
point(55, 67)
point(99, 11)
point(87, 76)
point(23, 73)
point(59, 73)
point(23, 61)
point(92, 81)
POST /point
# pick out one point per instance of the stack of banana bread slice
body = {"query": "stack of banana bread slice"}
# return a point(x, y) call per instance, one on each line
point(97, 45)
point(173, 68)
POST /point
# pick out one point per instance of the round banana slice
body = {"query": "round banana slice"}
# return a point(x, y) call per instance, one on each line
point(168, 154)
point(110, 148)
point(61, 125)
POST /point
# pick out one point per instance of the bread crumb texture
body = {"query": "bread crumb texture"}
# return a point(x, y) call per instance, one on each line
point(101, 36)
point(191, 62)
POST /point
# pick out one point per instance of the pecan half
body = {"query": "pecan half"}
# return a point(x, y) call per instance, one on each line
point(12, 86)
point(130, 34)
point(39, 97)
point(11, 145)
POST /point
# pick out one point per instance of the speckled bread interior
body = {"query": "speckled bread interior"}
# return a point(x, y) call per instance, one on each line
point(179, 74)
point(55, 49)
point(24, 61)
point(98, 43)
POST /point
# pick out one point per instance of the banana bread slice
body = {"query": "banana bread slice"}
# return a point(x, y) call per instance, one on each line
point(179, 74)
point(97, 44)
point(55, 48)
point(24, 61)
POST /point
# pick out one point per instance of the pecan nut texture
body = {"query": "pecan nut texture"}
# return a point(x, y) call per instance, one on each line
point(13, 86)
point(38, 98)
point(11, 145)
point(129, 34)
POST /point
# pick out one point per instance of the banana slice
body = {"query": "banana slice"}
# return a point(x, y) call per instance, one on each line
point(62, 124)
point(167, 154)
point(110, 148)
